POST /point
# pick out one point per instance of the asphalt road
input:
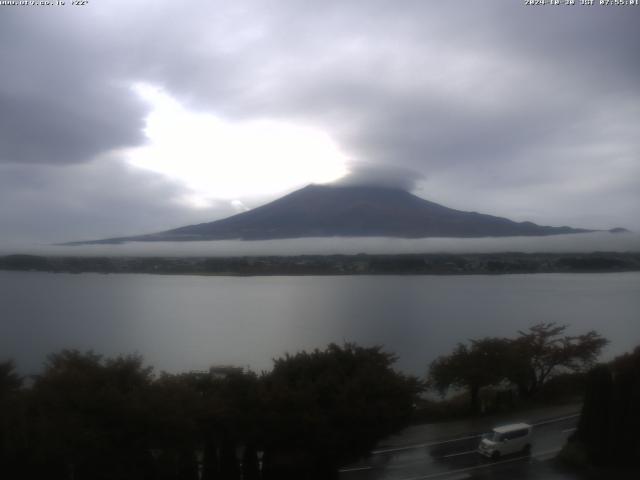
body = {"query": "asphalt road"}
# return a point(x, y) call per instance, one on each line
point(456, 458)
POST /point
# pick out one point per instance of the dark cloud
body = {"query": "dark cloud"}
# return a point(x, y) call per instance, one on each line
point(381, 175)
point(88, 201)
point(59, 131)
point(65, 97)
point(526, 112)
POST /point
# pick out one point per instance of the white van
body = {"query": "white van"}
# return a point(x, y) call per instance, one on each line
point(514, 438)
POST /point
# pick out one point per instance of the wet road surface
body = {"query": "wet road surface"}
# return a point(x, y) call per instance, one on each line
point(456, 458)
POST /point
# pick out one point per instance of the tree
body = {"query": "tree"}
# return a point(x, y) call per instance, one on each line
point(610, 418)
point(10, 381)
point(595, 422)
point(528, 361)
point(12, 441)
point(89, 417)
point(480, 364)
point(328, 407)
point(543, 351)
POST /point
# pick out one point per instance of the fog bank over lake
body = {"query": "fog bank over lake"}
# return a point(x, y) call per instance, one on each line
point(585, 242)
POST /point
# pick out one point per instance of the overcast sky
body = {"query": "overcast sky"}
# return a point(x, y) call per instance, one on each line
point(124, 117)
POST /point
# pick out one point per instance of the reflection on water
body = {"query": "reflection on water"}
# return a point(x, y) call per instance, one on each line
point(184, 322)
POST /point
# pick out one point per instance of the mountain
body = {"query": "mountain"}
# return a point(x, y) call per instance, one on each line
point(351, 211)
point(619, 230)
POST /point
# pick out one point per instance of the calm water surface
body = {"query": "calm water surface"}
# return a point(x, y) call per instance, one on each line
point(189, 322)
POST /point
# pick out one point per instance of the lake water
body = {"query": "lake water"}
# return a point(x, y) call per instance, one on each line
point(188, 322)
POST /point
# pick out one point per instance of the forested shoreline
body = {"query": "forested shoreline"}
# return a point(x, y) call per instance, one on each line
point(361, 264)
point(85, 416)
point(90, 417)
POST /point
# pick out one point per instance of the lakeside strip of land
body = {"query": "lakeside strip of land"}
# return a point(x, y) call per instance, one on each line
point(361, 264)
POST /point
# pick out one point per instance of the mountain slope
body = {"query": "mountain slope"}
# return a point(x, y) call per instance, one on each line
point(351, 211)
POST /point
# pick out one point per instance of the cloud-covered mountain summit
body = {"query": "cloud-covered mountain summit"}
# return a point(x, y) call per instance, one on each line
point(470, 99)
point(351, 211)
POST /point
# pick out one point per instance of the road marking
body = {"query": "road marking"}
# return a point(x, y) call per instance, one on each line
point(540, 454)
point(462, 470)
point(423, 445)
point(354, 469)
point(433, 444)
point(459, 454)
point(545, 453)
point(554, 420)
point(567, 430)
point(487, 465)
